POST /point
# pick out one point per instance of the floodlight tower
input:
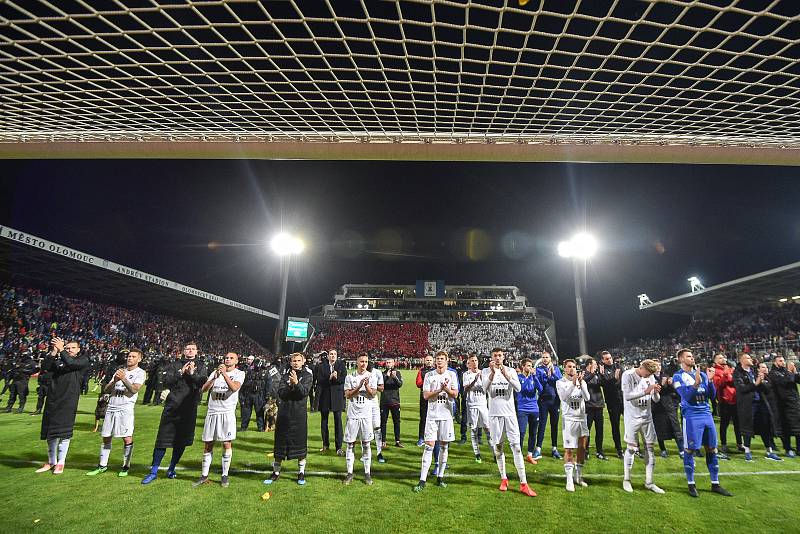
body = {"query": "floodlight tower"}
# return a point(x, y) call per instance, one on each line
point(285, 246)
point(580, 248)
point(695, 285)
point(644, 301)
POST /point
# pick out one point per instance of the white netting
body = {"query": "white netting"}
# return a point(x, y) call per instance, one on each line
point(702, 72)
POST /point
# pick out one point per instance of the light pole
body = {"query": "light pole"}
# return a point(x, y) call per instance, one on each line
point(580, 248)
point(285, 246)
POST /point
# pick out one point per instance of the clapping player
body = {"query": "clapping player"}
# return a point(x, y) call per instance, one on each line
point(360, 388)
point(639, 390)
point(573, 392)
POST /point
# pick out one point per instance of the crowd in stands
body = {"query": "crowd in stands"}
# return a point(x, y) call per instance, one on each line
point(414, 340)
point(763, 331)
point(30, 317)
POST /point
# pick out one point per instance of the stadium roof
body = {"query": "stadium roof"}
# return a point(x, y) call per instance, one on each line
point(754, 290)
point(25, 257)
point(575, 80)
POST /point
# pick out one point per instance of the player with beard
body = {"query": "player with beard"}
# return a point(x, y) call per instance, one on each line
point(501, 382)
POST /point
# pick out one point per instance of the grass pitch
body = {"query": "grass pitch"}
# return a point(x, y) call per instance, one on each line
point(765, 492)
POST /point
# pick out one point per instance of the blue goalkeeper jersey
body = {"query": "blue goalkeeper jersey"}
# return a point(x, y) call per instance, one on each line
point(694, 402)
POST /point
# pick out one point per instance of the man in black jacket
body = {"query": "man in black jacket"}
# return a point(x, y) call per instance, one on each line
point(594, 406)
point(755, 413)
point(427, 367)
point(67, 366)
point(390, 402)
point(21, 373)
point(183, 377)
point(330, 374)
point(610, 373)
point(784, 379)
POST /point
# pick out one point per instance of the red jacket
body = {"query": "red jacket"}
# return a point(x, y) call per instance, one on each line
point(723, 383)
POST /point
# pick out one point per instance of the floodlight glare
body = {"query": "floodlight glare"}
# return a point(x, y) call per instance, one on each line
point(783, 300)
point(582, 246)
point(284, 244)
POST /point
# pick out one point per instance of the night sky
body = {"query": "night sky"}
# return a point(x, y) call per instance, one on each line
point(206, 223)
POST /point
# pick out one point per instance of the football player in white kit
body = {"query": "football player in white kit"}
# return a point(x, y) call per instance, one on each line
point(439, 389)
point(377, 375)
point(118, 423)
point(477, 409)
point(359, 388)
point(639, 391)
point(500, 382)
point(573, 392)
point(220, 424)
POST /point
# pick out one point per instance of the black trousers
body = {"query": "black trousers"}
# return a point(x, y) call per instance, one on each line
point(463, 421)
point(19, 388)
point(148, 394)
point(548, 408)
point(337, 428)
point(423, 416)
point(595, 416)
point(42, 391)
point(395, 421)
point(727, 415)
point(248, 403)
point(614, 414)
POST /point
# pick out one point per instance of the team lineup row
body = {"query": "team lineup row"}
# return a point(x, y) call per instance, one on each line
point(489, 395)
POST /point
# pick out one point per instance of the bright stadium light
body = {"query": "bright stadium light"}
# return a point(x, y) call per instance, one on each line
point(784, 299)
point(284, 244)
point(695, 285)
point(644, 301)
point(582, 246)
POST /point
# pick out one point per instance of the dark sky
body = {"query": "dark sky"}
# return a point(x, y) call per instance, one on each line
point(466, 223)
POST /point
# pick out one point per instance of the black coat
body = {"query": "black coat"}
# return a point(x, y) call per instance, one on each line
point(291, 429)
point(390, 396)
point(180, 409)
point(745, 392)
point(593, 384)
point(612, 386)
point(331, 392)
point(787, 402)
point(665, 411)
point(63, 394)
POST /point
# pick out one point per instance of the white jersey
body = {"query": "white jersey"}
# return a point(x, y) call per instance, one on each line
point(360, 405)
point(636, 401)
point(223, 399)
point(501, 392)
point(573, 399)
point(122, 399)
point(476, 397)
point(378, 377)
point(440, 408)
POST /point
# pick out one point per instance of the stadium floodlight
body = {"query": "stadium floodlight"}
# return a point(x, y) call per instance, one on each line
point(784, 299)
point(644, 301)
point(284, 244)
point(580, 248)
point(796, 297)
point(695, 285)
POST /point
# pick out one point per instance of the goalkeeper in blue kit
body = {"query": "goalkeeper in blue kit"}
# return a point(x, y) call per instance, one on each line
point(695, 390)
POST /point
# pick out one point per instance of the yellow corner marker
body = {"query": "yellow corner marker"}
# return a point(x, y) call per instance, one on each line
point(523, 2)
point(266, 496)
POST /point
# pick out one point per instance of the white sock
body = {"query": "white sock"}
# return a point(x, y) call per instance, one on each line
point(226, 461)
point(127, 452)
point(52, 450)
point(569, 469)
point(519, 463)
point(367, 456)
point(63, 448)
point(578, 472)
point(650, 464)
point(442, 459)
point(350, 458)
point(207, 456)
point(427, 458)
point(105, 452)
point(501, 463)
point(301, 466)
point(474, 437)
point(377, 433)
point(627, 462)
point(746, 450)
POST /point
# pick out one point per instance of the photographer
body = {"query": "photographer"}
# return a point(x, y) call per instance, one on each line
point(390, 402)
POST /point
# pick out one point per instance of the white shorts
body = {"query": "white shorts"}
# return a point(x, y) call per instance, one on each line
point(439, 430)
point(504, 425)
point(573, 431)
point(376, 415)
point(220, 427)
point(645, 427)
point(478, 417)
point(118, 424)
point(358, 430)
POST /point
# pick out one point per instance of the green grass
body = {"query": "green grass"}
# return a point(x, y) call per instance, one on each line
point(73, 502)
